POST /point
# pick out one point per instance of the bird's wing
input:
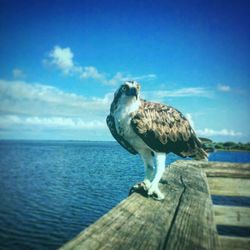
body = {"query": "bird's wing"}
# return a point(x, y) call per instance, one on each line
point(111, 124)
point(165, 129)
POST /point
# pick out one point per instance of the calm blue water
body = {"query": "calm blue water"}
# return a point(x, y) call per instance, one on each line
point(50, 191)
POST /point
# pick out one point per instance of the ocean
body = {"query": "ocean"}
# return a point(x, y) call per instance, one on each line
point(52, 190)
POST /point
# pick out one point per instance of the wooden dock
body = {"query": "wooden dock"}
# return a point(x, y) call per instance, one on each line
point(186, 219)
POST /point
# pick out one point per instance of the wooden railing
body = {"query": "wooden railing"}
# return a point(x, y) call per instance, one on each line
point(185, 219)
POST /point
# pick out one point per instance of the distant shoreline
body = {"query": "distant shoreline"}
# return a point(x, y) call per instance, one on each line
point(209, 145)
point(232, 150)
point(229, 146)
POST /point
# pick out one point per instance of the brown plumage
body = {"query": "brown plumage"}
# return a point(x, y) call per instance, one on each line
point(111, 124)
point(152, 130)
point(165, 129)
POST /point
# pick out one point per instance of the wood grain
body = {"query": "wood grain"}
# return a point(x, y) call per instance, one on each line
point(232, 216)
point(234, 243)
point(229, 186)
point(184, 220)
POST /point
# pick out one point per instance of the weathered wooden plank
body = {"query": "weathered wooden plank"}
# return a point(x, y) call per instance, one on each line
point(184, 220)
point(226, 165)
point(234, 243)
point(229, 186)
point(137, 223)
point(228, 172)
point(222, 169)
point(215, 165)
point(231, 170)
point(194, 226)
point(230, 215)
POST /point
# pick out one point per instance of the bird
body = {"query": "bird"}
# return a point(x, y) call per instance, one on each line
point(151, 130)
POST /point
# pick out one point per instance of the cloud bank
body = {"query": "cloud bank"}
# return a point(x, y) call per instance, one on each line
point(37, 107)
point(49, 122)
point(20, 97)
point(63, 59)
point(159, 95)
point(212, 132)
point(221, 132)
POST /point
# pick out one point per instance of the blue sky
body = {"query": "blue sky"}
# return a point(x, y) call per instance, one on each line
point(61, 61)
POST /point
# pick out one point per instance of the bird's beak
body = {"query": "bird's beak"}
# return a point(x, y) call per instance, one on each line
point(133, 92)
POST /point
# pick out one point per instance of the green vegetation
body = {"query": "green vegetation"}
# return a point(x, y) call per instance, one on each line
point(232, 146)
point(209, 145)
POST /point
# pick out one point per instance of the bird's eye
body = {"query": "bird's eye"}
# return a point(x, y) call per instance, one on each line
point(138, 86)
point(124, 88)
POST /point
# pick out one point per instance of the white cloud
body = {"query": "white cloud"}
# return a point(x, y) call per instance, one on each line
point(145, 77)
point(212, 132)
point(19, 97)
point(38, 109)
point(33, 107)
point(50, 122)
point(222, 132)
point(18, 73)
point(63, 59)
point(182, 92)
point(117, 78)
point(223, 88)
point(92, 72)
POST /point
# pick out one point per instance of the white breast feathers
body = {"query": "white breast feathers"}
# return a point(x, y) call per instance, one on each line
point(123, 116)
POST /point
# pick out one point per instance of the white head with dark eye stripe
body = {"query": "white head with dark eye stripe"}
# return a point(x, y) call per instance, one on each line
point(128, 92)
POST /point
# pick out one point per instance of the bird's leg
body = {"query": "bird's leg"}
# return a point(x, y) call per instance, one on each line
point(160, 167)
point(149, 171)
point(149, 168)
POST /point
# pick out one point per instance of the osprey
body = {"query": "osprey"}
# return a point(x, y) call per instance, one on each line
point(151, 130)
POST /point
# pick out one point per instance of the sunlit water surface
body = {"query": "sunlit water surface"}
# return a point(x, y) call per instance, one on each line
point(50, 191)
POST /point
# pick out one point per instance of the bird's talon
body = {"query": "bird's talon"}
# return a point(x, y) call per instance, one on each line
point(156, 194)
point(158, 197)
point(140, 187)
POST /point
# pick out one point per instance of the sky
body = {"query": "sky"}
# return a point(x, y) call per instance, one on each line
point(61, 61)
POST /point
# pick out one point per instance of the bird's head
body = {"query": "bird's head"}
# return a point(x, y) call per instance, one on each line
point(128, 92)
